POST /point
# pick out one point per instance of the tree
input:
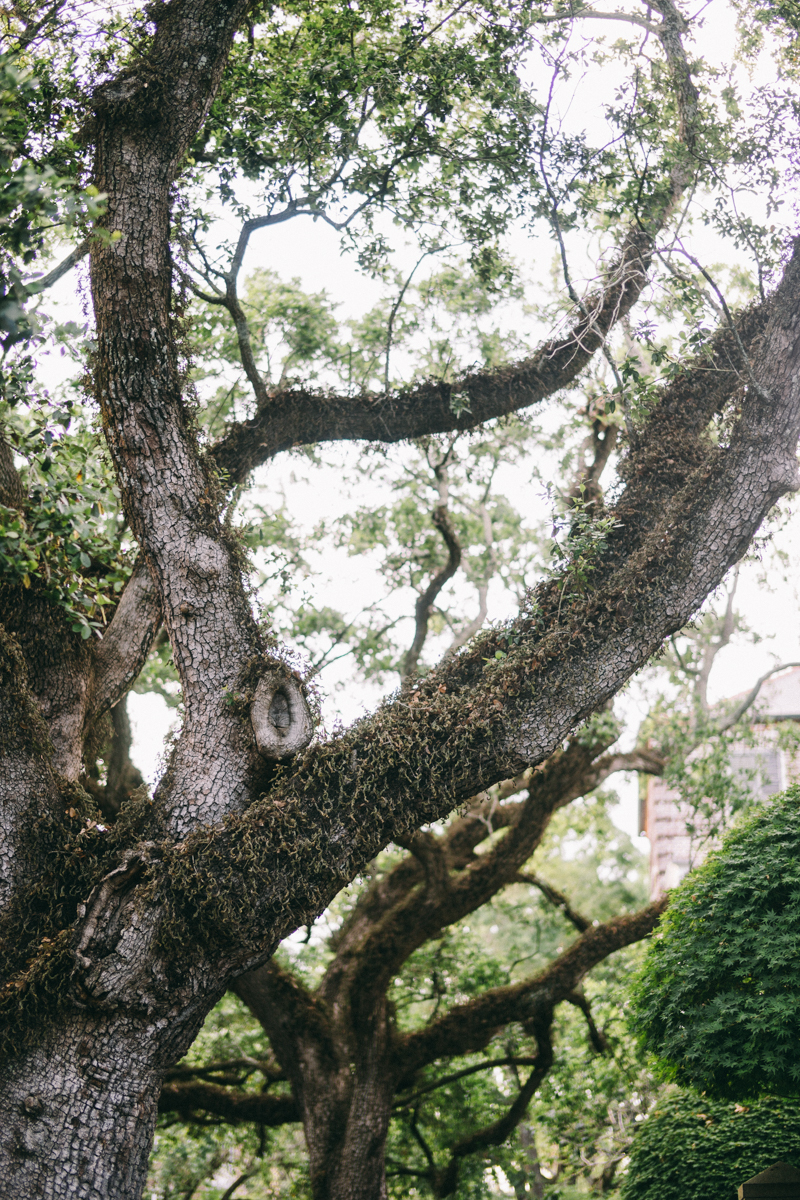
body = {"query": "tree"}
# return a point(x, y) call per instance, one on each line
point(118, 939)
point(398, 959)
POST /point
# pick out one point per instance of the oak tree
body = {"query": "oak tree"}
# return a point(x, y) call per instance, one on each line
point(118, 938)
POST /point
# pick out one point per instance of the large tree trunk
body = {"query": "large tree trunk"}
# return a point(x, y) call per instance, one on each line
point(78, 1111)
point(343, 1074)
point(116, 949)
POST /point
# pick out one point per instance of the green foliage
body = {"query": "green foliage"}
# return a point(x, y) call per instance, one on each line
point(203, 1159)
point(694, 1148)
point(718, 997)
point(68, 542)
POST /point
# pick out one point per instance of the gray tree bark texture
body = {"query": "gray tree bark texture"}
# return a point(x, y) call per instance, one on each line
point(120, 941)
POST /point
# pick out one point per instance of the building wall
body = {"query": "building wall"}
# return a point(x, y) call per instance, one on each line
point(673, 850)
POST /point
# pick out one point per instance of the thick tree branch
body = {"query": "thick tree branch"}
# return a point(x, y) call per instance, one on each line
point(299, 416)
point(195, 1100)
point(467, 1028)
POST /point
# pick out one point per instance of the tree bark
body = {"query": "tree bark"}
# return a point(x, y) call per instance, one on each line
point(343, 1074)
point(148, 923)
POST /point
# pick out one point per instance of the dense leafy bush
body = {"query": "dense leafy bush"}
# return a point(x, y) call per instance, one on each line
point(692, 1148)
point(718, 997)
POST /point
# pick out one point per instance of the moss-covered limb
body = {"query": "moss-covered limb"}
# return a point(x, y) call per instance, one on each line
point(120, 655)
point(196, 1101)
point(466, 1028)
point(34, 799)
point(300, 415)
point(364, 972)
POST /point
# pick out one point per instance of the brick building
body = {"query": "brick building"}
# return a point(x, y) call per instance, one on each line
point(766, 768)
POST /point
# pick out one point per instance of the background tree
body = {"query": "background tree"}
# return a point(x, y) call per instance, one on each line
point(118, 938)
point(716, 998)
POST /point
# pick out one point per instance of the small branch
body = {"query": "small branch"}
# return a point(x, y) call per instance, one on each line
point(594, 15)
point(428, 851)
point(237, 1183)
point(597, 1038)
point(40, 285)
point(394, 311)
point(751, 697)
point(475, 625)
point(743, 355)
point(441, 520)
point(558, 899)
point(509, 1060)
point(421, 1142)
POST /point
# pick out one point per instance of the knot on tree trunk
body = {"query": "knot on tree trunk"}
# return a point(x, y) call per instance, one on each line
point(280, 716)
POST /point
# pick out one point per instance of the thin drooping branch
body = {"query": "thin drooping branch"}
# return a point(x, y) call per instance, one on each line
point(557, 899)
point(596, 1037)
point(488, 1065)
point(427, 598)
point(35, 286)
point(750, 699)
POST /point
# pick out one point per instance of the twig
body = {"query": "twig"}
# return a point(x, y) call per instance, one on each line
point(40, 285)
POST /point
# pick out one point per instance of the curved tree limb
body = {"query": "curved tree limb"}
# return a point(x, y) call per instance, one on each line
point(469, 1027)
point(300, 416)
point(425, 602)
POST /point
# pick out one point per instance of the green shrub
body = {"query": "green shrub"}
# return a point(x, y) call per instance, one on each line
point(692, 1148)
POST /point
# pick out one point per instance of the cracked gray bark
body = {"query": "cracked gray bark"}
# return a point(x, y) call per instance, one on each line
point(214, 874)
